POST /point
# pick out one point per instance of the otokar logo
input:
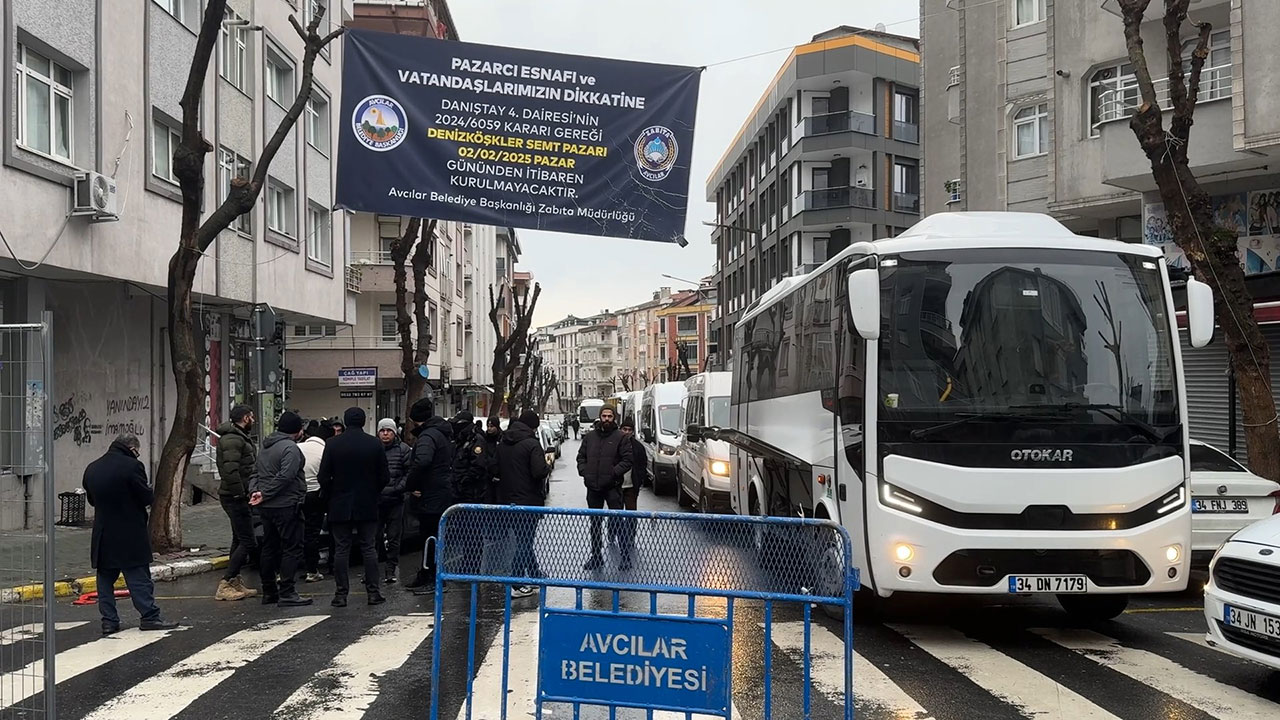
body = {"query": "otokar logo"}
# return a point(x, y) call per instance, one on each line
point(1046, 455)
point(656, 152)
point(380, 123)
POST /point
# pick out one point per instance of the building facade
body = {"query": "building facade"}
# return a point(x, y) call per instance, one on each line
point(597, 345)
point(640, 360)
point(686, 321)
point(562, 353)
point(828, 157)
point(1026, 107)
point(94, 87)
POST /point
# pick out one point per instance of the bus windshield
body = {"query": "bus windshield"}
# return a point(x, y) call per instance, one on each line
point(1058, 337)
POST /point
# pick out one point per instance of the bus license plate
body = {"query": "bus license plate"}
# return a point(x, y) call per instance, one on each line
point(1252, 622)
point(1219, 505)
point(1021, 584)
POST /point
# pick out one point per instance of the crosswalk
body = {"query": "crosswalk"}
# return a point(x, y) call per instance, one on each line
point(366, 666)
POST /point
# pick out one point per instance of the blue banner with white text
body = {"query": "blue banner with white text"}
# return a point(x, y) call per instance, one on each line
point(515, 138)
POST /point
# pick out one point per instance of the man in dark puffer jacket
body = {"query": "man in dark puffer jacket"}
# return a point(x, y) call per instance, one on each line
point(430, 482)
point(391, 502)
point(236, 456)
point(603, 460)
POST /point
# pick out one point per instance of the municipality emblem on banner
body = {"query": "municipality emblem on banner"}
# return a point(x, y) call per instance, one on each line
point(656, 152)
point(380, 123)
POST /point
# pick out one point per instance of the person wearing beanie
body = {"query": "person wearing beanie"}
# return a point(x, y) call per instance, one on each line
point(278, 489)
point(430, 483)
point(391, 501)
point(604, 458)
point(522, 476)
point(353, 473)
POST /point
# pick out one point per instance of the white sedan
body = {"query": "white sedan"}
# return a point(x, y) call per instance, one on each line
point(1242, 599)
point(1225, 497)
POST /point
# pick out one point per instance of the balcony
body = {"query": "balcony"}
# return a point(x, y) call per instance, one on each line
point(371, 257)
point(466, 320)
point(906, 131)
point(841, 197)
point(353, 276)
point(1121, 98)
point(906, 203)
point(859, 122)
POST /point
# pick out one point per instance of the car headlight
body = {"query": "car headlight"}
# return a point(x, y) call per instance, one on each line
point(719, 467)
point(667, 450)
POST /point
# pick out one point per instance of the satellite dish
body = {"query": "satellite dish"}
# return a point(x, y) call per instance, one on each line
point(880, 27)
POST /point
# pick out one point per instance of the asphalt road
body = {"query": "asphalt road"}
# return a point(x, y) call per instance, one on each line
point(928, 657)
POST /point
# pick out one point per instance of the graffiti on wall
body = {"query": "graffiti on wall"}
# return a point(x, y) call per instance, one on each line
point(1254, 217)
point(127, 414)
point(71, 418)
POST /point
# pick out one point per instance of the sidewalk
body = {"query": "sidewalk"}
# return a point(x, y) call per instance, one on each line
point(205, 534)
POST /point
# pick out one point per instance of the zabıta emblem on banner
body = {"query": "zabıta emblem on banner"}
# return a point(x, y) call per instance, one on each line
point(515, 138)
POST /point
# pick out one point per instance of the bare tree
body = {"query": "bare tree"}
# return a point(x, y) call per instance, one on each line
point(626, 378)
point(511, 346)
point(548, 383)
point(196, 234)
point(1209, 248)
point(420, 240)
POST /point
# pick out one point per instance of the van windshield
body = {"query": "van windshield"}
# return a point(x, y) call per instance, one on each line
point(668, 419)
point(589, 413)
point(718, 411)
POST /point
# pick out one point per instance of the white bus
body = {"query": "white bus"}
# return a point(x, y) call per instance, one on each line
point(988, 403)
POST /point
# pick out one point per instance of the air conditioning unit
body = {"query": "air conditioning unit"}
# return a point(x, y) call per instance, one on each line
point(96, 197)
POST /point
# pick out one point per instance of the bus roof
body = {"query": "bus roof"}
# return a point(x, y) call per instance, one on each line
point(963, 230)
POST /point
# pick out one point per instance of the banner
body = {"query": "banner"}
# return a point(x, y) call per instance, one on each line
point(515, 138)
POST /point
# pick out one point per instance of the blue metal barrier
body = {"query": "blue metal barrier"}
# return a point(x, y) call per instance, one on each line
point(636, 610)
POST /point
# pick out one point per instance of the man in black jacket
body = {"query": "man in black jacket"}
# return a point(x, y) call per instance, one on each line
point(235, 457)
point(474, 463)
point(391, 503)
point(631, 484)
point(117, 489)
point(522, 475)
point(430, 482)
point(603, 460)
point(353, 473)
point(278, 489)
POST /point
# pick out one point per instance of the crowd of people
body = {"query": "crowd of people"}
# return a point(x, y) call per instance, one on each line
point(306, 477)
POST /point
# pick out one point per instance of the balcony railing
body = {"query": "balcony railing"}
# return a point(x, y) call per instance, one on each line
point(906, 131)
point(342, 341)
point(906, 202)
point(353, 276)
point(859, 122)
point(466, 319)
point(1120, 97)
point(377, 257)
point(840, 197)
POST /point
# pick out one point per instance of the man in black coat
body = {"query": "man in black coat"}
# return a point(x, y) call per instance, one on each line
point(117, 489)
point(430, 482)
point(603, 461)
point(522, 475)
point(391, 501)
point(353, 473)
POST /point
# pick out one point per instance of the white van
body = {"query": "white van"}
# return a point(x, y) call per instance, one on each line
point(662, 428)
point(704, 464)
point(588, 411)
point(629, 406)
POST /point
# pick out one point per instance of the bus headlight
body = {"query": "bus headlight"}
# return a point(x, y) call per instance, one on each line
point(893, 497)
point(719, 467)
point(1173, 501)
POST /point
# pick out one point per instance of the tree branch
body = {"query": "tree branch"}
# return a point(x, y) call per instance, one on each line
point(1184, 112)
point(1175, 12)
point(422, 257)
point(1132, 12)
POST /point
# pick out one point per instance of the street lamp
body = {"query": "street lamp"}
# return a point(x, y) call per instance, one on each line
point(685, 280)
point(739, 228)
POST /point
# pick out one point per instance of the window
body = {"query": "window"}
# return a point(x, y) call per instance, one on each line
point(906, 108)
point(1129, 228)
point(457, 336)
point(186, 12)
point(44, 105)
point(1113, 92)
point(164, 140)
point(319, 237)
point(431, 323)
point(1031, 131)
point(387, 315)
point(388, 233)
point(315, 330)
point(821, 105)
point(279, 79)
point(1210, 459)
point(687, 324)
point(233, 50)
point(318, 121)
point(231, 166)
point(1026, 12)
point(281, 211)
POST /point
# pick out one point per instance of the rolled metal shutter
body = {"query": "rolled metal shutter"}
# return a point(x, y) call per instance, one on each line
point(1272, 334)
point(1208, 404)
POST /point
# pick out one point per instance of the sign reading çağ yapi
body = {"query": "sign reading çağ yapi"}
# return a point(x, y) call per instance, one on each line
point(518, 138)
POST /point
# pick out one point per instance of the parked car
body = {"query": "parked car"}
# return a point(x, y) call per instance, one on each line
point(550, 443)
point(1242, 599)
point(1225, 497)
point(704, 464)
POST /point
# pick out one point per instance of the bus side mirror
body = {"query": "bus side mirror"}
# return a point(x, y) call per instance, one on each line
point(864, 302)
point(1199, 313)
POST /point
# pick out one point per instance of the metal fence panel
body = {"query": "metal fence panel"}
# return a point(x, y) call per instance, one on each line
point(26, 521)
point(656, 624)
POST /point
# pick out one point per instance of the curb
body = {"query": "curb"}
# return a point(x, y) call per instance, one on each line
point(160, 572)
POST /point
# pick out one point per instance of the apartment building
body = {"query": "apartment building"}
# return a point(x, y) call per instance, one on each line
point(561, 352)
point(597, 345)
point(1026, 105)
point(829, 156)
point(686, 320)
point(92, 89)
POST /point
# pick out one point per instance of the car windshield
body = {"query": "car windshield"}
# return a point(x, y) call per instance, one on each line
point(1079, 341)
point(718, 411)
point(1208, 459)
point(668, 419)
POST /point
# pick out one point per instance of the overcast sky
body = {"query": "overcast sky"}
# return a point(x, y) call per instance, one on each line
point(584, 275)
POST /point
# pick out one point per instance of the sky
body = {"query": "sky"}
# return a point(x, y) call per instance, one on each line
point(584, 275)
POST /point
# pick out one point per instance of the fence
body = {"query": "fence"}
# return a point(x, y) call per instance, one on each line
point(639, 612)
point(27, 515)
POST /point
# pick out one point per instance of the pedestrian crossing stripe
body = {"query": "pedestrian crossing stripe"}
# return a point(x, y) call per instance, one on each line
point(348, 684)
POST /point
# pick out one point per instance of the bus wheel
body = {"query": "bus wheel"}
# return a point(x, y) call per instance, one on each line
point(831, 579)
point(1094, 608)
